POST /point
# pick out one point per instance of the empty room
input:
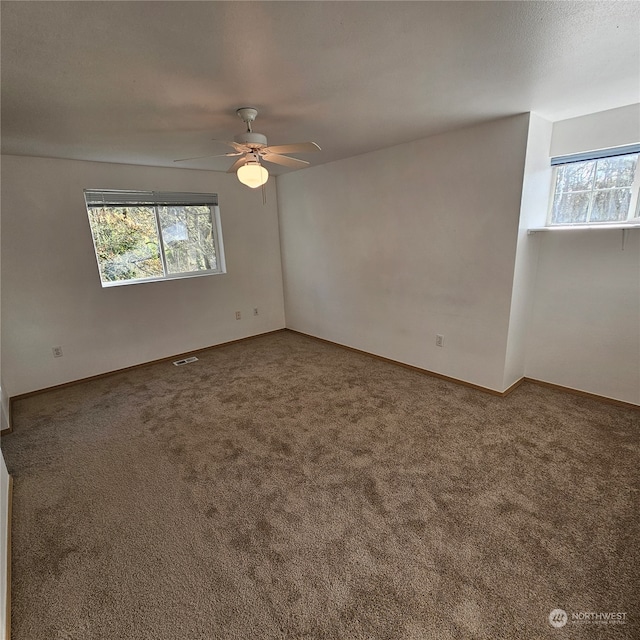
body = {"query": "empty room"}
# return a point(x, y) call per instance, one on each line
point(320, 320)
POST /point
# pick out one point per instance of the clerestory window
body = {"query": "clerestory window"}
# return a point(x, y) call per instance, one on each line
point(599, 187)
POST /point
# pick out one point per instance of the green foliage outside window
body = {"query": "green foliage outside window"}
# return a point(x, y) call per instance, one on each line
point(127, 241)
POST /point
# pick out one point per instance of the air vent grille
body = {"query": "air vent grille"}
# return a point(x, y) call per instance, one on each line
point(179, 363)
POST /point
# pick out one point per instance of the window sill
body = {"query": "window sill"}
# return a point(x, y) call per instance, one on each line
point(589, 227)
point(177, 276)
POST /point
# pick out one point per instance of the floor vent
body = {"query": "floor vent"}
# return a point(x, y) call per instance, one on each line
point(179, 363)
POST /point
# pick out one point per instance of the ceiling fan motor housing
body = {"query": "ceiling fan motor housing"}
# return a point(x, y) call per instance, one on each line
point(253, 140)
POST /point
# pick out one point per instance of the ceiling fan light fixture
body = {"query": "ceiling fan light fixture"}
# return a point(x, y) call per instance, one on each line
point(252, 174)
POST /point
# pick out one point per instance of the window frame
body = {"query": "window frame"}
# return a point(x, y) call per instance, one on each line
point(633, 214)
point(154, 200)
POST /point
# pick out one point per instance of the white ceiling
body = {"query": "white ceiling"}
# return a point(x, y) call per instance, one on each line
point(148, 82)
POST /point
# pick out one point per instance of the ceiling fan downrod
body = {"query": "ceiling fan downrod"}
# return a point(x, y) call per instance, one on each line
point(247, 115)
point(253, 140)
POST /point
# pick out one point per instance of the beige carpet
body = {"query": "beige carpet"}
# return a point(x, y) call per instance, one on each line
point(286, 488)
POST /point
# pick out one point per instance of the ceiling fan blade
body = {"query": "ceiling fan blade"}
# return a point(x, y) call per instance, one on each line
point(284, 160)
point(241, 148)
point(219, 155)
point(237, 164)
point(299, 147)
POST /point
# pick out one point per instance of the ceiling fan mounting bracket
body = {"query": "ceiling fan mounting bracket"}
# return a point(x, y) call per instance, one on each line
point(247, 114)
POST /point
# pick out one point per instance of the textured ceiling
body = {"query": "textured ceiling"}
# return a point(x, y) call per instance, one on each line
point(148, 82)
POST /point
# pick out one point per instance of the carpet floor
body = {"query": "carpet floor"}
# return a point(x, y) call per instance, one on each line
point(284, 488)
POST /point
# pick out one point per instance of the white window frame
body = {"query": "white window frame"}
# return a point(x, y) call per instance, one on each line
point(153, 200)
point(633, 215)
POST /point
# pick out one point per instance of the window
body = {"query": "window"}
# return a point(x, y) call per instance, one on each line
point(596, 188)
point(144, 236)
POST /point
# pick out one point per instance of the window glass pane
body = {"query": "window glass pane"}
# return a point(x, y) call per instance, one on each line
point(595, 191)
point(126, 241)
point(616, 172)
point(187, 233)
point(569, 208)
point(577, 176)
point(610, 205)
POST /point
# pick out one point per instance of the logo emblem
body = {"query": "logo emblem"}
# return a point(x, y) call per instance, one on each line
point(558, 618)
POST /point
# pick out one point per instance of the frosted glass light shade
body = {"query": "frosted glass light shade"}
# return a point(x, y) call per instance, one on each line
point(252, 174)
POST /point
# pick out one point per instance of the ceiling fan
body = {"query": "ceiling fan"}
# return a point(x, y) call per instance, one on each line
point(252, 149)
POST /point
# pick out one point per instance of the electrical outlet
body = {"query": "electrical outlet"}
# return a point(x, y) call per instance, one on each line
point(57, 352)
point(439, 340)
point(255, 311)
point(238, 315)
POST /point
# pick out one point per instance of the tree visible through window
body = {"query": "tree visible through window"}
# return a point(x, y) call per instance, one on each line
point(143, 236)
point(596, 190)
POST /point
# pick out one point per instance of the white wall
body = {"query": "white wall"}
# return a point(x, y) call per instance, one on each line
point(585, 325)
point(535, 197)
point(384, 250)
point(4, 512)
point(4, 524)
point(602, 130)
point(51, 293)
point(5, 421)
